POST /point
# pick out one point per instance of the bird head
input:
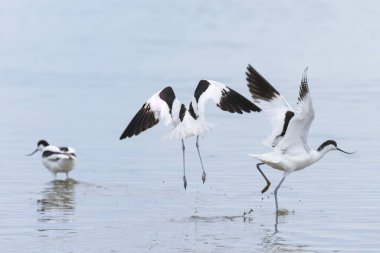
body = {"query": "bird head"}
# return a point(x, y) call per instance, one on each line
point(332, 145)
point(40, 146)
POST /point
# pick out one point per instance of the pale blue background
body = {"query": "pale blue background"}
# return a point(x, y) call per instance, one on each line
point(75, 73)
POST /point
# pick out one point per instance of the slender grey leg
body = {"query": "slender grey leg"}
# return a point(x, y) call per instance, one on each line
point(266, 179)
point(275, 196)
point(200, 158)
point(184, 170)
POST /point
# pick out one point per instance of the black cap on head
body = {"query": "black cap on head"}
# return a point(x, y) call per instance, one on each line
point(326, 143)
point(331, 142)
point(43, 143)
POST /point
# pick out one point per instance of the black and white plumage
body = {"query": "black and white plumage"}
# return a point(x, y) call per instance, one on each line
point(187, 121)
point(274, 105)
point(291, 151)
point(56, 159)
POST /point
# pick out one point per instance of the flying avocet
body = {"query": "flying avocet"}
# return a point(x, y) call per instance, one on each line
point(164, 106)
point(56, 159)
point(290, 129)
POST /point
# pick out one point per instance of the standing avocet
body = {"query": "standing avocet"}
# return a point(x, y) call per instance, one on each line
point(187, 122)
point(290, 129)
point(56, 159)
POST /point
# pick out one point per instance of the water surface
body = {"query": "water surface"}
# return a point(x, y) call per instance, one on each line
point(75, 73)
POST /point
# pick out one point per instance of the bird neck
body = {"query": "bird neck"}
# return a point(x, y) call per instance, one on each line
point(318, 154)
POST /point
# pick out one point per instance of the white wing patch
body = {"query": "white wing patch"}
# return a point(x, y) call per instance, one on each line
point(296, 136)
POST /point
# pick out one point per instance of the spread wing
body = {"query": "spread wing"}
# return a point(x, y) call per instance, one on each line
point(225, 98)
point(162, 106)
point(273, 104)
point(295, 138)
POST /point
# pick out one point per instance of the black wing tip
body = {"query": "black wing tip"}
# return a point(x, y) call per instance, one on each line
point(258, 86)
point(304, 87)
point(234, 102)
point(126, 134)
point(304, 76)
point(251, 72)
point(123, 136)
point(143, 120)
point(250, 69)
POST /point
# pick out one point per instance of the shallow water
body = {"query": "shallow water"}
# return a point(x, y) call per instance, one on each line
point(76, 73)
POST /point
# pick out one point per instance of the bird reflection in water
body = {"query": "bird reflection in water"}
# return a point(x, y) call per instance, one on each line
point(283, 242)
point(57, 203)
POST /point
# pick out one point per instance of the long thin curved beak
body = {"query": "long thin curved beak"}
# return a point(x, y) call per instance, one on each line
point(350, 153)
point(32, 153)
